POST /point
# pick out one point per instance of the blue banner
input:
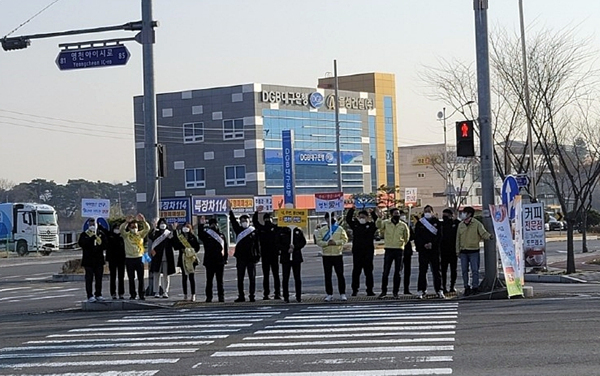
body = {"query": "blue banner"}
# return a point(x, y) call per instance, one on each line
point(287, 140)
point(176, 210)
point(314, 157)
point(202, 205)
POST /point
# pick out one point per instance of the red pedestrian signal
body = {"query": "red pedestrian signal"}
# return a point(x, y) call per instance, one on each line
point(465, 140)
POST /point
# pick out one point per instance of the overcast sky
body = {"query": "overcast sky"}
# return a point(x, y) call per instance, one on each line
point(78, 124)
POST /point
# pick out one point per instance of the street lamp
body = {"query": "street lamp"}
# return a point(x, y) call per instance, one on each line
point(442, 117)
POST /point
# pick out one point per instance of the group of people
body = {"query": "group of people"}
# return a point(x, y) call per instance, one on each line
point(439, 244)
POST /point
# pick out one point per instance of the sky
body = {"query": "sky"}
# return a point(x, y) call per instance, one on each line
point(60, 125)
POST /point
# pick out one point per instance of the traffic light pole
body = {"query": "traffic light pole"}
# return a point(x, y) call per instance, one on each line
point(486, 140)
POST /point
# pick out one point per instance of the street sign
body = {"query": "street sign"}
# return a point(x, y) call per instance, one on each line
point(522, 180)
point(510, 189)
point(92, 57)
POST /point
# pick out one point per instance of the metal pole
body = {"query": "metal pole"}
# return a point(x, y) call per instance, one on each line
point(446, 177)
point(532, 173)
point(150, 132)
point(486, 139)
point(337, 129)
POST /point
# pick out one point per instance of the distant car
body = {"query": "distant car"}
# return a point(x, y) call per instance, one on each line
point(554, 225)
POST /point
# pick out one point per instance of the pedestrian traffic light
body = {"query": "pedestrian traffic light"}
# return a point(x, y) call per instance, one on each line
point(464, 139)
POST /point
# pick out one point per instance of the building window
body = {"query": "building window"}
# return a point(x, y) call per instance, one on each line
point(235, 176)
point(195, 178)
point(461, 174)
point(421, 175)
point(233, 129)
point(193, 132)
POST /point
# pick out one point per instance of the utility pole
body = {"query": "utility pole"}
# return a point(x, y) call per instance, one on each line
point(150, 133)
point(337, 129)
point(486, 140)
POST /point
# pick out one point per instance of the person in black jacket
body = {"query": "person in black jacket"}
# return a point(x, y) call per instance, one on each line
point(407, 255)
point(363, 248)
point(267, 235)
point(187, 244)
point(215, 256)
point(427, 242)
point(163, 257)
point(448, 249)
point(93, 243)
point(115, 256)
point(291, 259)
point(247, 254)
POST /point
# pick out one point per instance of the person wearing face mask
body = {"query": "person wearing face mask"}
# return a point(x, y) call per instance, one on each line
point(396, 235)
point(427, 243)
point(290, 245)
point(363, 248)
point(247, 254)
point(331, 239)
point(115, 256)
point(407, 253)
point(449, 259)
point(163, 258)
point(133, 231)
point(267, 235)
point(93, 243)
point(215, 256)
point(187, 244)
point(468, 235)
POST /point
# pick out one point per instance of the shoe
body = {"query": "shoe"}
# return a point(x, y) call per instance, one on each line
point(370, 293)
point(114, 297)
point(157, 295)
point(444, 290)
point(193, 299)
point(99, 298)
point(475, 291)
point(221, 299)
point(382, 295)
point(452, 289)
point(328, 298)
point(121, 297)
point(240, 299)
point(277, 297)
point(406, 292)
point(208, 300)
point(395, 296)
point(184, 297)
point(354, 293)
point(287, 300)
point(420, 294)
point(132, 297)
point(142, 297)
point(343, 298)
point(251, 300)
point(91, 300)
point(266, 297)
point(299, 300)
point(467, 291)
point(165, 296)
point(441, 295)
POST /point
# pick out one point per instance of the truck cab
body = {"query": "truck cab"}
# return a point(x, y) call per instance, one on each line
point(29, 228)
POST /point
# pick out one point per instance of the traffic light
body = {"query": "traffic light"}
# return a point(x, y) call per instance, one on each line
point(9, 44)
point(465, 146)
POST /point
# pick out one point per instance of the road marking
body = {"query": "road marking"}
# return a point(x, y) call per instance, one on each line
point(14, 288)
point(138, 334)
point(380, 316)
point(99, 353)
point(342, 335)
point(107, 363)
point(117, 329)
point(102, 345)
point(353, 342)
point(171, 338)
point(337, 325)
point(379, 372)
point(327, 319)
point(52, 296)
point(107, 373)
point(358, 329)
point(177, 319)
point(379, 306)
point(389, 359)
point(319, 351)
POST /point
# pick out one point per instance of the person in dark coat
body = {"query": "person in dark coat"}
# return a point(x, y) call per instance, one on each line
point(247, 254)
point(187, 244)
point(363, 248)
point(163, 257)
point(267, 235)
point(93, 243)
point(427, 242)
point(291, 259)
point(407, 254)
point(115, 256)
point(215, 256)
point(448, 249)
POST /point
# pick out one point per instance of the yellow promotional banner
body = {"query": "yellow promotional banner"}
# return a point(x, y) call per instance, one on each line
point(292, 217)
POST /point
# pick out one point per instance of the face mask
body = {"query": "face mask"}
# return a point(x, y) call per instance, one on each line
point(162, 226)
point(134, 230)
point(245, 224)
point(268, 220)
point(186, 229)
point(92, 228)
point(362, 221)
point(463, 216)
point(117, 231)
point(402, 218)
point(427, 215)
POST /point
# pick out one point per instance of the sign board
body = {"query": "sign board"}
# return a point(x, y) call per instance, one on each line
point(287, 145)
point(292, 217)
point(505, 245)
point(510, 189)
point(95, 208)
point(243, 205)
point(265, 203)
point(365, 202)
point(202, 205)
point(534, 236)
point(175, 210)
point(329, 202)
point(410, 196)
point(93, 57)
point(522, 180)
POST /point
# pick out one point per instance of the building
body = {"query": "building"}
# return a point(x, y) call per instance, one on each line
point(226, 141)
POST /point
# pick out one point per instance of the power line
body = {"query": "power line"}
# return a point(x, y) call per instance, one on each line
point(63, 120)
point(63, 131)
point(63, 126)
point(32, 17)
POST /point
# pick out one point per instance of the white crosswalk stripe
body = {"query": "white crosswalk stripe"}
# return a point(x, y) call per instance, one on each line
point(39, 292)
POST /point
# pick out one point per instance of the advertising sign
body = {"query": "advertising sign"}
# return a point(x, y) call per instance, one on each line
point(263, 204)
point(315, 157)
point(329, 202)
point(175, 210)
point(534, 236)
point(202, 205)
point(410, 196)
point(504, 242)
point(287, 142)
point(365, 202)
point(95, 208)
point(244, 205)
point(292, 217)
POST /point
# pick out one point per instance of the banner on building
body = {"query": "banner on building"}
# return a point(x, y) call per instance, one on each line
point(263, 204)
point(95, 208)
point(329, 202)
point(175, 210)
point(504, 242)
point(202, 205)
point(292, 217)
point(534, 235)
point(287, 145)
point(242, 205)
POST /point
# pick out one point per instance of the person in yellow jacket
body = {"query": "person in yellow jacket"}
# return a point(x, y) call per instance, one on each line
point(331, 239)
point(133, 239)
point(468, 235)
point(396, 235)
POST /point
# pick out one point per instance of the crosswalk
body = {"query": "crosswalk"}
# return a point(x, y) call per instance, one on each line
point(40, 292)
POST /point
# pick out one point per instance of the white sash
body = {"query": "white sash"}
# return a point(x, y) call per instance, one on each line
point(160, 239)
point(244, 233)
point(428, 225)
point(216, 236)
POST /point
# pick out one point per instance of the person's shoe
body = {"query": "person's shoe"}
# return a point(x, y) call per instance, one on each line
point(441, 295)
point(132, 297)
point(184, 297)
point(100, 298)
point(452, 289)
point(406, 292)
point(277, 297)
point(420, 294)
point(328, 298)
point(142, 297)
point(221, 299)
point(165, 296)
point(382, 295)
point(343, 297)
point(114, 297)
point(395, 296)
point(475, 291)
point(299, 300)
point(370, 293)
point(208, 300)
point(287, 300)
point(157, 295)
point(240, 299)
point(193, 299)
point(266, 297)
point(467, 291)
point(91, 300)
point(121, 297)
point(252, 300)
point(355, 292)
point(444, 290)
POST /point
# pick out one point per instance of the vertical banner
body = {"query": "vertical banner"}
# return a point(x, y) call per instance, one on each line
point(534, 236)
point(506, 248)
point(287, 145)
point(518, 238)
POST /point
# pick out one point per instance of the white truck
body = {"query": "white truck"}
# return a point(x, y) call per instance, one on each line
point(26, 227)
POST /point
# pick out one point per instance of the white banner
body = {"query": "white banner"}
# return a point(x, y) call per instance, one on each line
point(534, 235)
point(263, 204)
point(95, 208)
point(506, 248)
point(518, 238)
point(329, 202)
